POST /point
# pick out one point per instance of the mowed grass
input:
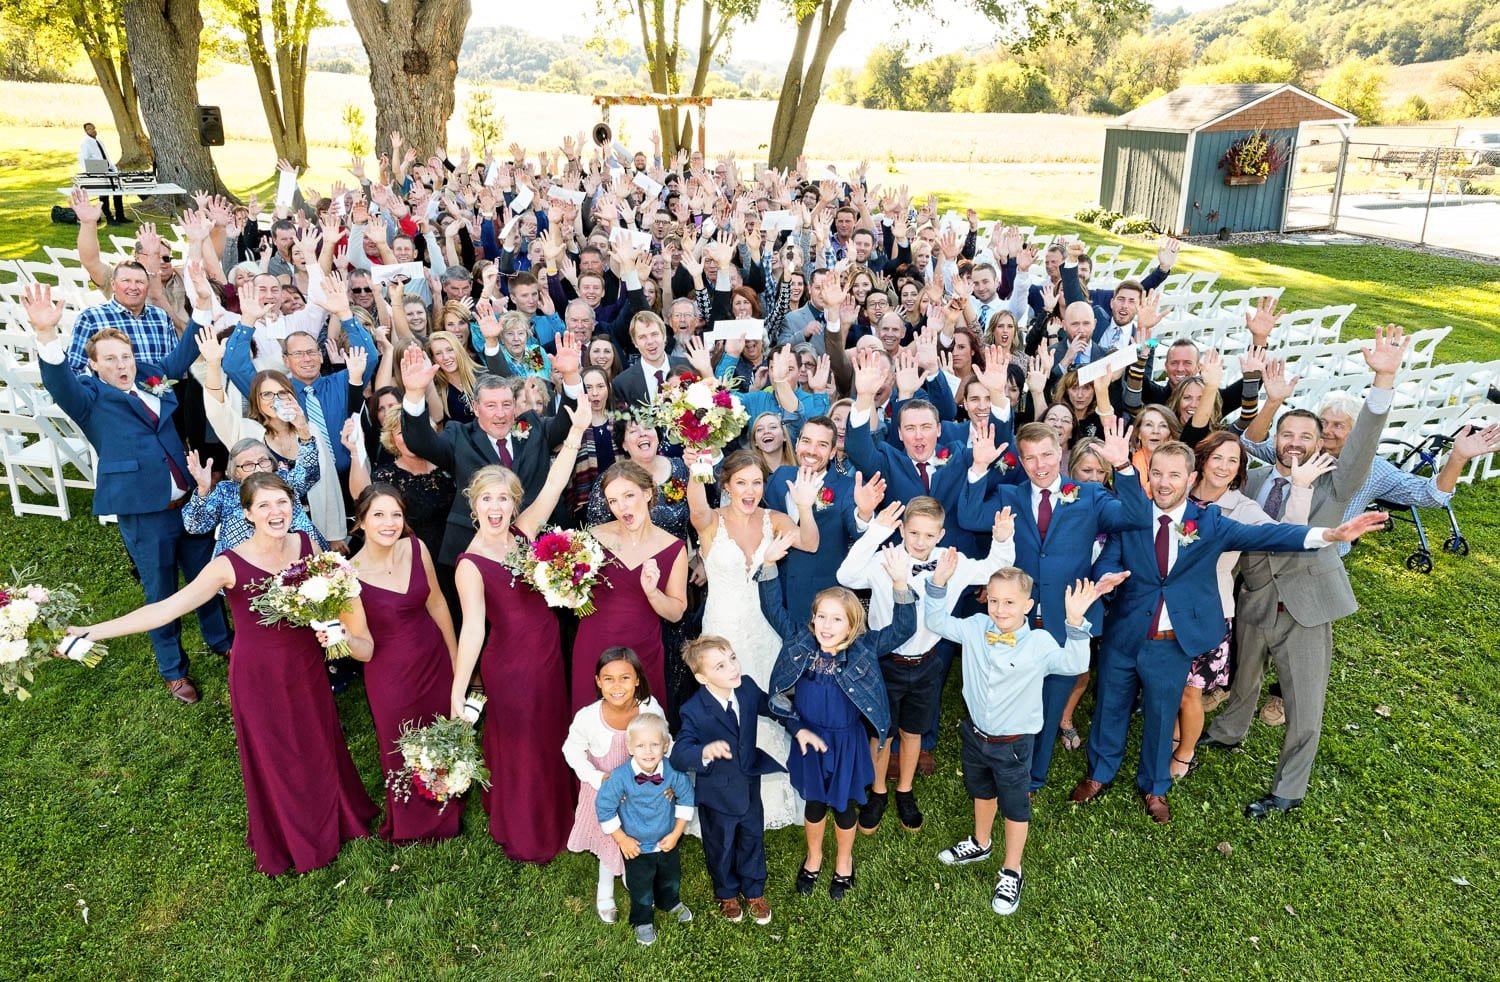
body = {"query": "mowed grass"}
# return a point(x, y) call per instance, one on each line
point(122, 818)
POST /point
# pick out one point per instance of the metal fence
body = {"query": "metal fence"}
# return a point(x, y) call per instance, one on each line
point(1410, 185)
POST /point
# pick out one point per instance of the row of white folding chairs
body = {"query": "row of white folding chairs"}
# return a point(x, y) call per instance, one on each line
point(1345, 357)
point(42, 451)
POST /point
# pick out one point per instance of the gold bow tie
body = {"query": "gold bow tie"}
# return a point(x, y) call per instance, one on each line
point(995, 637)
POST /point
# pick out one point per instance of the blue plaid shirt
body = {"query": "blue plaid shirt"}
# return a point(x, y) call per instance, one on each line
point(221, 507)
point(152, 335)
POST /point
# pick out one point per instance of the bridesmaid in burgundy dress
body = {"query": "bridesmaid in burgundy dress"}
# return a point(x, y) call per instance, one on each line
point(645, 582)
point(302, 793)
point(411, 674)
point(530, 800)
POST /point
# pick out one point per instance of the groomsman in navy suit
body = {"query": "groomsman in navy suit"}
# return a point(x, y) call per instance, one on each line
point(1057, 524)
point(803, 574)
point(717, 744)
point(1168, 612)
point(125, 409)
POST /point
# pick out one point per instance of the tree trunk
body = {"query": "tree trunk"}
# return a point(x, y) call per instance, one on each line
point(413, 50)
point(162, 36)
point(265, 82)
point(801, 91)
point(103, 42)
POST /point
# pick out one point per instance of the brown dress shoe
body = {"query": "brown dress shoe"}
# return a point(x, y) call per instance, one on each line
point(925, 764)
point(759, 909)
point(729, 909)
point(183, 690)
point(1086, 790)
point(1156, 807)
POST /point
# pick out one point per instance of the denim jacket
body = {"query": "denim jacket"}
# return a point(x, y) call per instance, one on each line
point(857, 666)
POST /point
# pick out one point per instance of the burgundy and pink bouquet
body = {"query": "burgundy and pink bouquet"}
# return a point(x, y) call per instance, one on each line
point(311, 592)
point(563, 565)
point(700, 414)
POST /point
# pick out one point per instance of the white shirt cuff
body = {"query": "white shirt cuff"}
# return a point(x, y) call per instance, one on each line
point(203, 318)
point(684, 812)
point(574, 391)
point(858, 417)
point(53, 352)
point(609, 825)
point(1315, 540)
point(631, 279)
point(1379, 400)
point(414, 407)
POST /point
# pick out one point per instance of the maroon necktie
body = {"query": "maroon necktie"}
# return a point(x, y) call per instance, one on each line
point(1163, 559)
point(1044, 512)
point(179, 479)
point(926, 480)
point(660, 378)
point(648, 779)
point(502, 447)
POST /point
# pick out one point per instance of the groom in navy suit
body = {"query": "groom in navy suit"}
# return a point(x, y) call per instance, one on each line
point(803, 574)
point(1168, 613)
point(1057, 523)
point(125, 409)
point(717, 744)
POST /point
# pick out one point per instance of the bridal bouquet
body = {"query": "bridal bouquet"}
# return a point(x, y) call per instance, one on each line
point(311, 592)
point(33, 623)
point(700, 414)
point(439, 761)
point(563, 565)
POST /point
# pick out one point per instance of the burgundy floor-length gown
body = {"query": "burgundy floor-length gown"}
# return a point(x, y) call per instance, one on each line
point(409, 680)
point(303, 795)
point(530, 800)
point(623, 616)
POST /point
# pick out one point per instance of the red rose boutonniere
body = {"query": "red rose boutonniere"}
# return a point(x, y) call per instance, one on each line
point(942, 457)
point(158, 386)
point(825, 499)
point(1009, 460)
point(522, 429)
point(1187, 533)
point(1068, 494)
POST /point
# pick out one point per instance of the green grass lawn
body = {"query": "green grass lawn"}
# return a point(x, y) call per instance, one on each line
point(122, 819)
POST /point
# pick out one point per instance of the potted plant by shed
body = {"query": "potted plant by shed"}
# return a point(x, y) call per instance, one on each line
point(1251, 159)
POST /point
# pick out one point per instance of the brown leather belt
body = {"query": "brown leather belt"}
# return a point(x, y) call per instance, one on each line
point(1164, 636)
point(994, 739)
point(910, 659)
point(179, 503)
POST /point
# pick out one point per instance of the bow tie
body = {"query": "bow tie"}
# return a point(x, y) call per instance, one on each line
point(926, 567)
point(995, 637)
point(648, 779)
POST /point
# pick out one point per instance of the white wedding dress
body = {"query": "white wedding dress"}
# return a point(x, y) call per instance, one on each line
point(733, 611)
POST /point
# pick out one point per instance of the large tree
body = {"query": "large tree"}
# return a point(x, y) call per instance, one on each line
point(413, 50)
point(659, 22)
point(163, 42)
point(280, 68)
point(98, 27)
point(820, 24)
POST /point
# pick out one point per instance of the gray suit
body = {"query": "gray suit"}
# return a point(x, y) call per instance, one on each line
point(1286, 610)
point(795, 326)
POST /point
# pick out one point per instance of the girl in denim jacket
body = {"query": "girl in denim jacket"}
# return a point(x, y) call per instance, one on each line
point(827, 690)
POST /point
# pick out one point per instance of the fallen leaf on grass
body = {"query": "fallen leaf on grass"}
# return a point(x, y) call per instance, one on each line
point(1460, 881)
point(1224, 848)
point(340, 883)
point(83, 908)
point(1351, 726)
point(1289, 910)
point(1255, 941)
point(395, 867)
point(1384, 712)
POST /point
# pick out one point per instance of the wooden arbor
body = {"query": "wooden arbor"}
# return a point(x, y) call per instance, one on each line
point(663, 104)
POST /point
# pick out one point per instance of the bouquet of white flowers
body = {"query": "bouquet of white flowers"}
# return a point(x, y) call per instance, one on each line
point(700, 414)
point(311, 592)
point(33, 622)
point(440, 761)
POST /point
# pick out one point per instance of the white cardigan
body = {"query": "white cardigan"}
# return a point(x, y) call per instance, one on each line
point(589, 734)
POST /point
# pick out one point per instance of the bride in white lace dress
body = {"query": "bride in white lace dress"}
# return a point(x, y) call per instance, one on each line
point(733, 538)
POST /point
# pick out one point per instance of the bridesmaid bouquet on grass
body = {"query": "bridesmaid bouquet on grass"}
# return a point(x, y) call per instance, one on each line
point(311, 592)
point(700, 414)
point(33, 622)
point(563, 565)
point(439, 762)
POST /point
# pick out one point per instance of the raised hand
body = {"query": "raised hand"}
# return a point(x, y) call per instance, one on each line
point(1166, 252)
point(890, 515)
point(778, 547)
point(1305, 472)
point(210, 348)
point(1364, 522)
point(984, 451)
point(1277, 386)
point(1253, 361)
point(804, 491)
point(1262, 321)
point(868, 374)
point(1471, 442)
point(1150, 314)
point(42, 311)
point(568, 361)
point(1078, 599)
point(336, 296)
point(1106, 583)
point(201, 473)
point(1116, 444)
point(1385, 357)
point(417, 372)
point(88, 213)
point(908, 374)
point(1211, 367)
point(1004, 526)
point(581, 417)
point(947, 565)
point(356, 359)
point(868, 495)
point(897, 565)
point(818, 378)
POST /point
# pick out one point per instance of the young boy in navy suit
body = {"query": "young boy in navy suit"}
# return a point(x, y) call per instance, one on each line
point(717, 743)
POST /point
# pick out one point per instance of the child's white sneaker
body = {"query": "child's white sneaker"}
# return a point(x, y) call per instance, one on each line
point(967, 850)
point(1007, 892)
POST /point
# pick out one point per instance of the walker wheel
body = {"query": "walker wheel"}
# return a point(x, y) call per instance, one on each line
point(1457, 545)
point(1390, 523)
point(1419, 562)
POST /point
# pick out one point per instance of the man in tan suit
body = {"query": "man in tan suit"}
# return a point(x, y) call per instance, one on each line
point(1290, 601)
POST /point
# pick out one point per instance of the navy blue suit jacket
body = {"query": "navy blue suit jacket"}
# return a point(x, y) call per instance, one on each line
point(1067, 553)
point(1191, 587)
point(726, 786)
point(803, 574)
point(133, 453)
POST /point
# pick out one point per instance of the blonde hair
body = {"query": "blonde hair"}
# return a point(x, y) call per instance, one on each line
point(1011, 574)
point(644, 723)
point(854, 611)
point(923, 506)
point(787, 456)
point(647, 317)
point(489, 476)
point(696, 651)
point(468, 372)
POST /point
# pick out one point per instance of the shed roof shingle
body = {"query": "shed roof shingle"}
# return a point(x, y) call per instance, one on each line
point(1192, 106)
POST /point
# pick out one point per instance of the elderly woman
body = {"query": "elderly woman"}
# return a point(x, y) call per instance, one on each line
point(217, 506)
point(641, 446)
point(522, 356)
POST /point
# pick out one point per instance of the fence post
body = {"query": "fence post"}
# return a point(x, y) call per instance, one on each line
point(1437, 155)
point(1338, 187)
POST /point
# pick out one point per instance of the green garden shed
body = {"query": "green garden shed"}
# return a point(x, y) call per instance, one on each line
point(1161, 160)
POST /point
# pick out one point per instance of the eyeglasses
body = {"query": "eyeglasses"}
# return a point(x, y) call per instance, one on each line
point(274, 393)
point(263, 464)
point(362, 289)
point(304, 353)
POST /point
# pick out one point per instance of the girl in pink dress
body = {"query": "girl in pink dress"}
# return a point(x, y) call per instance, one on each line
point(594, 747)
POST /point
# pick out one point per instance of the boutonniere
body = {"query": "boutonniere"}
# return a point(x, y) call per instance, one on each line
point(1009, 460)
point(521, 430)
point(1069, 493)
point(942, 457)
point(1187, 532)
point(158, 386)
point(825, 499)
point(675, 490)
